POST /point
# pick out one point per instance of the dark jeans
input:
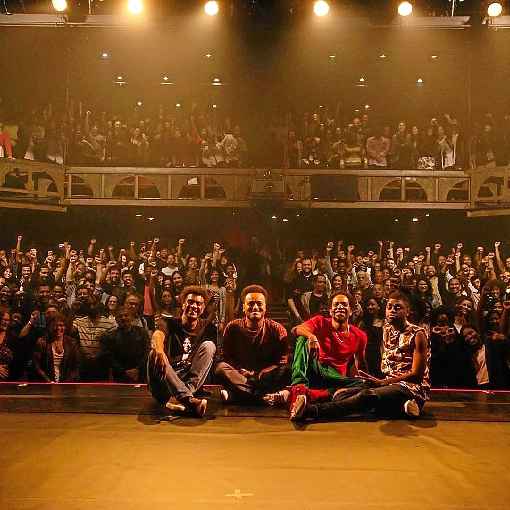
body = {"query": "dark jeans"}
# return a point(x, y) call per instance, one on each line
point(387, 401)
point(251, 388)
point(181, 382)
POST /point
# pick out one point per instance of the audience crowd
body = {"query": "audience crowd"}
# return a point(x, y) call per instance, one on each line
point(71, 314)
point(206, 138)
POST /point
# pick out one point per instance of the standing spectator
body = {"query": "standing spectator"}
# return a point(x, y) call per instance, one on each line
point(401, 150)
point(445, 149)
point(5, 143)
point(378, 148)
point(486, 148)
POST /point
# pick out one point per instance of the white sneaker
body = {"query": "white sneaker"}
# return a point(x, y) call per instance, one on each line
point(298, 408)
point(411, 408)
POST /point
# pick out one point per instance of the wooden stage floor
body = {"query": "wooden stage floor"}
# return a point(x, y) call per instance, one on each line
point(109, 447)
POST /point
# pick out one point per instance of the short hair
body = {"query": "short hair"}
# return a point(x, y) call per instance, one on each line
point(195, 290)
point(250, 289)
point(399, 295)
point(348, 295)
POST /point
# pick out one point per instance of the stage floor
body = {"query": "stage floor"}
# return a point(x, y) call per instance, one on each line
point(108, 447)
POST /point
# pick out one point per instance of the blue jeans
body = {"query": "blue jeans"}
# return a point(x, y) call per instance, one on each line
point(181, 382)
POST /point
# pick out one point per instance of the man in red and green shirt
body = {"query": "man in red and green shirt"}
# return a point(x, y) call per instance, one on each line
point(325, 348)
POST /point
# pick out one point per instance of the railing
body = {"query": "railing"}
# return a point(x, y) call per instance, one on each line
point(294, 187)
point(35, 185)
point(31, 185)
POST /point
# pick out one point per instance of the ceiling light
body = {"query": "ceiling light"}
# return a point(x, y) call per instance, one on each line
point(405, 8)
point(321, 8)
point(415, 219)
point(59, 5)
point(211, 8)
point(495, 9)
point(135, 6)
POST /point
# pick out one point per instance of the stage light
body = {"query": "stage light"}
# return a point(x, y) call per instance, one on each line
point(135, 6)
point(211, 8)
point(59, 5)
point(405, 8)
point(321, 8)
point(495, 9)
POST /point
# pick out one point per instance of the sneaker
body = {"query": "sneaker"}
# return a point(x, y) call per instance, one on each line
point(197, 407)
point(411, 408)
point(297, 411)
point(175, 407)
point(278, 399)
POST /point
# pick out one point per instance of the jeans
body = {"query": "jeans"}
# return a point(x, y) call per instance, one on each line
point(385, 401)
point(182, 382)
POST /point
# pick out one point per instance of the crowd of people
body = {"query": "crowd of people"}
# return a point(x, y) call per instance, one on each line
point(142, 313)
point(323, 138)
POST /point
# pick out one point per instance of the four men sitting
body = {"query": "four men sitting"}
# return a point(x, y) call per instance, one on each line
point(327, 375)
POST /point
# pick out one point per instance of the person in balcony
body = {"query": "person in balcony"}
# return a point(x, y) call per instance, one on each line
point(378, 148)
point(401, 149)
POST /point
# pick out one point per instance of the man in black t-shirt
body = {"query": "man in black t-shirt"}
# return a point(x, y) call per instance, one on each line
point(301, 284)
point(182, 354)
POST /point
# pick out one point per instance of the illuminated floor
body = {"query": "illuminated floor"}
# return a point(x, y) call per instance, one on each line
point(90, 459)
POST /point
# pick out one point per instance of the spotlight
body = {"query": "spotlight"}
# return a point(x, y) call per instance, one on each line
point(59, 5)
point(495, 9)
point(211, 8)
point(321, 8)
point(135, 6)
point(405, 8)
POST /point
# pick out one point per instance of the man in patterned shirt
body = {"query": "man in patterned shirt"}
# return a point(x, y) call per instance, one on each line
point(405, 365)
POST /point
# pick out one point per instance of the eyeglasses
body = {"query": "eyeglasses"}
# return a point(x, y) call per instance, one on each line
point(443, 330)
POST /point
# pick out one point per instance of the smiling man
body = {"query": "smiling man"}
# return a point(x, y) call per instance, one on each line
point(254, 352)
point(325, 348)
point(405, 365)
point(182, 355)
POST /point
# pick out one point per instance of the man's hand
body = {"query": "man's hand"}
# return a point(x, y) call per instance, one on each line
point(460, 246)
point(181, 241)
point(497, 244)
point(427, 249)
point(131, 243)
point(370, 378)
point(133, 374)
point(313, 345)
point(350, 248)
point(160, 363)
point(20, 238)
point(246, 373)
point(329, 247)
point(93, 241)
point(4, 372)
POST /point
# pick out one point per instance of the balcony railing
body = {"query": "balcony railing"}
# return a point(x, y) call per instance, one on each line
point(29, 184)
point(294, 187)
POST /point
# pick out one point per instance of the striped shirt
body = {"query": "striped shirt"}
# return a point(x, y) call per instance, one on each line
point(90, 333)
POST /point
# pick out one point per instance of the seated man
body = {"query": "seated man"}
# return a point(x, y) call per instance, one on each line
point(126, 348)
point(324, 349)
point(405, 364)
point(254, 352)
point(182, 355)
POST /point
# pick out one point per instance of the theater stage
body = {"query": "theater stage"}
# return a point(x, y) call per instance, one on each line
point(109, 447)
